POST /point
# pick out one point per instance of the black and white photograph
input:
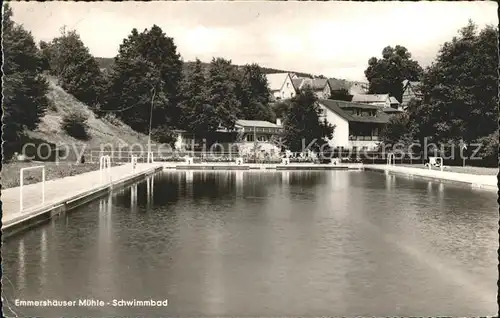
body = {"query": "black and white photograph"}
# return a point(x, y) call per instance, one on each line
point(250, 159)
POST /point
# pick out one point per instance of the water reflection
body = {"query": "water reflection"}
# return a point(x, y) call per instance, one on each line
point(189, 183)
point(133, 198)
point(441, 193)
point(214, 296)
point(103, 273)
point(21, 274)
point(239, 183)
point(44, 257)
point(390, 181)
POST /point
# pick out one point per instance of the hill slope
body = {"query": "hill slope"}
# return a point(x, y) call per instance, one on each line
point(101, 131)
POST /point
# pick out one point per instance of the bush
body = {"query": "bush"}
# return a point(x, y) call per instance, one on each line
point(163, 135)
point(75, 124)
point(488, 150)
point(112, 119)
point(52, 105)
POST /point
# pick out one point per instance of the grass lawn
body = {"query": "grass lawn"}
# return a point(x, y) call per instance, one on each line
point(467, 169)
point(10, 172)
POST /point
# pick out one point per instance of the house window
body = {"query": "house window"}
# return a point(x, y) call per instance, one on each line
point(262, 138)
point(250, 137)
point(287, 85)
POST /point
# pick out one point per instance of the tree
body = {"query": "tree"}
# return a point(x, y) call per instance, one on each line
point(341, 94)
point(280, 108)
point(460, 89)
point(222, 93)
point(77, 71)
point(198, 115)
point(397, 130)
point(386, 75)
point(24, 88)
point(302, 124)
point(75, 125)
point(146, 71)
point(254, 94)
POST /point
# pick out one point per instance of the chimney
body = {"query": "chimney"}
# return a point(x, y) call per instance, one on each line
point(278, 121)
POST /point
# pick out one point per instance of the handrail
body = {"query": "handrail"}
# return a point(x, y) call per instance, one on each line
point(391, 160)
point(21, 178)
point(133, 160)
point(104, 164)
point(441, 162)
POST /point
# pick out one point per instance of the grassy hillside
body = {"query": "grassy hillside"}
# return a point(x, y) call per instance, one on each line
point(101, 131)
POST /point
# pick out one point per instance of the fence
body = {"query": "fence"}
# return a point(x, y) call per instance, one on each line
point(260, 156)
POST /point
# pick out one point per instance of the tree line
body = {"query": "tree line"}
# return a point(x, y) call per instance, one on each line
point(459, 90)
point(146, 81)
point(459, 93)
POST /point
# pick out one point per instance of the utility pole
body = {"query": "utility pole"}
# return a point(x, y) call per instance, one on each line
point(462, 148)
point(150, 120)
point(254, 144)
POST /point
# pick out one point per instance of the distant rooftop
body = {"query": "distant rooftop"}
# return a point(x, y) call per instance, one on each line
point(340, 108)
point(394, 100)
point(370, 98)
point(276, 80)
point(256, 123)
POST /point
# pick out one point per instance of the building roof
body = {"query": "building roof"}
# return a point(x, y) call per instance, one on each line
point(297, 82)
point(415, 85)
point(393, 100)
point(339, 108)
point(317, 84)
point(370, 98)
point(276, 80)
point(336, 84)
point(390, 110)
point(256, 123)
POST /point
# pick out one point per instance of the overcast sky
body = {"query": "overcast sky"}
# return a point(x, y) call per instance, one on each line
point(335, 39)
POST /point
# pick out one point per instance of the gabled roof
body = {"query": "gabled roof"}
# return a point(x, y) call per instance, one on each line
point(276, 81)
point(393, 100)
point(297, 82)
point(256, 123)
point(370, 98)
point(336, 84)
point(415, 85)
point(339, 108)
point(317, 84)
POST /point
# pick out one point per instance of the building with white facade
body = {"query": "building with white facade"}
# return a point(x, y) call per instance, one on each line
point(356, 125)
point(281, 86)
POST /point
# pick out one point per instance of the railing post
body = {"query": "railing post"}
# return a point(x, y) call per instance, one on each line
point(21, 184)
point(21, 190)
point(43, 185)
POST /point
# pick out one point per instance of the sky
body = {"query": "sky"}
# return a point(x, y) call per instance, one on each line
point(334, 39)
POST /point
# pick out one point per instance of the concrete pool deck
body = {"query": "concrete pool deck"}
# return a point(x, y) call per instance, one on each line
point(64, 194)
point(487, 182)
